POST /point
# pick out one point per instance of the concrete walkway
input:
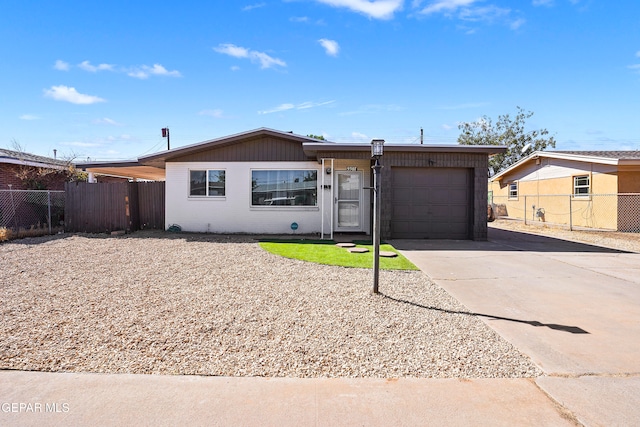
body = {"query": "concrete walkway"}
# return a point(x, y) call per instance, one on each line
point(574, 309)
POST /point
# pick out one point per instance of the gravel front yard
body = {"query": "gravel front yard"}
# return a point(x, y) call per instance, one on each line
point(159, 303)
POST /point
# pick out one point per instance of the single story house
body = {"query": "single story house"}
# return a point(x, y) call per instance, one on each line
point(25, 171)
point(592, 189)
point(271, 182)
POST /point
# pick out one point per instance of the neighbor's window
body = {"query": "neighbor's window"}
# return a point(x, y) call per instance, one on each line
point(284, 188)
point(513, 190)
point(207, 183)
point(581, 186)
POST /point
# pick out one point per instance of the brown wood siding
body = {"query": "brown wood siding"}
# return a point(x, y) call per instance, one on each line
point(261, 149)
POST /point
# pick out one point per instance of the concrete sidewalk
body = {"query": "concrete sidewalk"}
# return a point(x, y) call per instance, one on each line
point(573, 308)
point(61, 399)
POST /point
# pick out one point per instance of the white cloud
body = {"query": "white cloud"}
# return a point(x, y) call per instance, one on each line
point(331, 47)
point(144, 71)
point(467, 10)
point(446, 6)
point(81, 144)
point(360, 136)
point(70, 94)
point(281, 107)
point(255, 56)
point(253, 6)
point(542, 2)
point(232, 50)
point(638, 54)
point(635, 67)
point(446, 126)
point(61, 65)
point(517, 23)
point(85, 65)
point(378, 9)
point(306, 105)
point(288, 106)
point(216, 114)
point(487, 13)
point(106, 121)
point(29, 117)
point(299, 19)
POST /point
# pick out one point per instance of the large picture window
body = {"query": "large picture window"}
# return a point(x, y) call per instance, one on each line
point(207, 183)
point(284, 188)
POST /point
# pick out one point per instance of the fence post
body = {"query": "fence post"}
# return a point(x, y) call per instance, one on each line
point(570, 215)
point(49, 209)
point(525, 210)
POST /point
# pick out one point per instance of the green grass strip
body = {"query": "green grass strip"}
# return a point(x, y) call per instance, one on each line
point(326, 252)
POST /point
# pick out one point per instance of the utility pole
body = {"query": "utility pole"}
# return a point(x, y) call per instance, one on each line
point(165, 134)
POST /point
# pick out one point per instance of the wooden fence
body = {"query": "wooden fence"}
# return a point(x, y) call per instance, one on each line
point(106, 207)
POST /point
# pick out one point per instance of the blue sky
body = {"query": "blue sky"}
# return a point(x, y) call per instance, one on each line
point(100, 81)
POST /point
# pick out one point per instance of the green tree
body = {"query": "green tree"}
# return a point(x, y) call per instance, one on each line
point(506, 131)
point(320, 137)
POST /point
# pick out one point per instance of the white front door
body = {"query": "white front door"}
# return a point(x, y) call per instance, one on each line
point(348, 201)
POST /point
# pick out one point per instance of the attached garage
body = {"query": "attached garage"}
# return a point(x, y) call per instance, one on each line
point(431, 203)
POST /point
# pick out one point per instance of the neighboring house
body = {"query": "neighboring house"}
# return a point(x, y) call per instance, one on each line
point(24, 171)
point(270, 182)
point(595, 189)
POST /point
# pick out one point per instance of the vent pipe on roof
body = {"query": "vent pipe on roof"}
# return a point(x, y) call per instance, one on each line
point(421, 136)
point(55, 153)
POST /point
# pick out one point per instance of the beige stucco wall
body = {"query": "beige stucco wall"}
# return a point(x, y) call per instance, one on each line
point(551, 201)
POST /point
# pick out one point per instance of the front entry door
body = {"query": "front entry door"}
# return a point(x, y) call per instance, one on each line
point(348, 201)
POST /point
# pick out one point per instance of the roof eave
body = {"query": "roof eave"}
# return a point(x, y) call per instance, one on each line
point(313, 148)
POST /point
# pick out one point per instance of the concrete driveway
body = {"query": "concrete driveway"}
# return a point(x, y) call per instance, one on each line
point(573, 308)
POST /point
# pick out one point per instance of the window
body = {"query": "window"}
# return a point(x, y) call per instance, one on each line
point(284, 188)
point(513, 190)
point(207, 183)
point(581, 186)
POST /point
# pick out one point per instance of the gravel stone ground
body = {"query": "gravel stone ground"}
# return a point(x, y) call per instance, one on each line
point(162, 303)
point(609, 239)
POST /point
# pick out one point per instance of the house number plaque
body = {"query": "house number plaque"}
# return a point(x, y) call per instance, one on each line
point(352, 168)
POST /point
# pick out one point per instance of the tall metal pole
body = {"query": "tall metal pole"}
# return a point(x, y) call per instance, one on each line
point(376, 224)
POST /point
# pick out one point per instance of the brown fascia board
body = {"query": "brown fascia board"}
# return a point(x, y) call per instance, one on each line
point(313, 149)
point(159, 159)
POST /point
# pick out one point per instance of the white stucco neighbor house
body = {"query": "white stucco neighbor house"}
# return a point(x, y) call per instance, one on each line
point(266, 181)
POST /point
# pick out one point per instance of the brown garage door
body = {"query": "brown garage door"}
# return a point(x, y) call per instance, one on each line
point(431, 203)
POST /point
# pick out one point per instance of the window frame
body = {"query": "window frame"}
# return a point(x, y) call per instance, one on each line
point(315, 206)
point(512, 196)
point(577, 186)
point(207, 184)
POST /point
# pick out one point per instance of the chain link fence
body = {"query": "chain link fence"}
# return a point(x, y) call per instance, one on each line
point(612, 212)
point(31, 212)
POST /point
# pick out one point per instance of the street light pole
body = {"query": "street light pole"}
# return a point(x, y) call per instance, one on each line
point(376, 153)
